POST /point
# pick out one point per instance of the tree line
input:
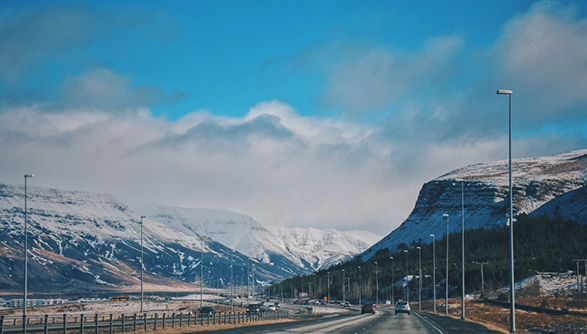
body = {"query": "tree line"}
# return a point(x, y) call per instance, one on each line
point(541, 243)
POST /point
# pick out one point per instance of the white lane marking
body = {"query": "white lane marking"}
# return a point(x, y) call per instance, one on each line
point(327, 326)
point(431, 324)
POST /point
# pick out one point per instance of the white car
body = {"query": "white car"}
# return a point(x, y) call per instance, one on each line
point(402, 307)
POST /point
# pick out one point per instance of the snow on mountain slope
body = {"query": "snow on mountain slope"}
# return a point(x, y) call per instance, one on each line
point(85, 241)
point(300, 250)
point(536, 182)
point(323, 248)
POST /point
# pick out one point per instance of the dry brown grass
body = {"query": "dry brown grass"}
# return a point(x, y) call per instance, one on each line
point(497, 317)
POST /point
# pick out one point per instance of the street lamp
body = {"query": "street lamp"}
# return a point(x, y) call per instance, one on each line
point(446, 278)
point(392, 283)
point(343, 295)
point(231, 281)
point(407, 276)
point(328, 272)
point(25, 253)
point(463, 250)
point(434, 269)
point(359, 282)
point(142, 265)
point(511, 216)
point(376, 284)
point(253, 282)
point(201, 271)
point(419, 278)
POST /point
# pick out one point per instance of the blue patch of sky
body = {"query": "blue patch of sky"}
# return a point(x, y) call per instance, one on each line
point(227, 56)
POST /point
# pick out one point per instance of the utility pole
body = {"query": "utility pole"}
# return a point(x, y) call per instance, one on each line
point(482, 281)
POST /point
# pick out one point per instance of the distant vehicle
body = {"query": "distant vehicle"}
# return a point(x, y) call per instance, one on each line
point(206, 310)
point(272, 308)
point(253, 308)
point(368, 308)
point(276, 304)
point(345, 304)
point(322, 302)
point(402, 307)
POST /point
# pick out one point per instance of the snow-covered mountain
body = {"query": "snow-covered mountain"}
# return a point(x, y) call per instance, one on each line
point(324, 248)
point(542, 185)
point(86, 241)
point(297, 250)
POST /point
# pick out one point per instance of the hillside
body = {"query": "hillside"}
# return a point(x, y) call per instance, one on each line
point(541, 186)
point(81, 241)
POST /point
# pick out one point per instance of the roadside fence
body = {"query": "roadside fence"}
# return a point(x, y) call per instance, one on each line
point(122, 323)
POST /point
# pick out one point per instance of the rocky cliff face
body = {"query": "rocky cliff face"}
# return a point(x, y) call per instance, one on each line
point(540, 185)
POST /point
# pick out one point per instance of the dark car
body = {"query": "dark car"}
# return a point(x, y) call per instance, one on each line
point(253, 308)
point(368, 308)
point(206, 310)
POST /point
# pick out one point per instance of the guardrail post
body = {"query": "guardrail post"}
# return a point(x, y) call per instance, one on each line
point(110, 323)
point(145, 322)
point(189, 318)
point(96, 323)
point(46, 323)
point(134, 323)
point(123, 329)
point(180, 319)
point(1, 324)
point(64, 323)
point(81, 324)
point(208, 322)
point(163, 322)
point(173, 320)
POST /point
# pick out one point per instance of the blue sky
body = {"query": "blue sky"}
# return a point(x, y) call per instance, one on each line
point(298, 113)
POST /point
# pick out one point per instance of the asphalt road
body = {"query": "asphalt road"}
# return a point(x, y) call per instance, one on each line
point(382, 322)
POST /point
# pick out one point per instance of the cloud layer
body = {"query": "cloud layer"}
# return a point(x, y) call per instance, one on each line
point(402, 118)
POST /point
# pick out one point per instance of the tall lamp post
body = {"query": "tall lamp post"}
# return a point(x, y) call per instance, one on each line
point(231, 281)
point(328, 272)
point(343, 295)
point(446, 278)
point(359, 283)
point(463, 250)
point(392, 283)
point(25, 253)
point(142, 265)
point(511, 217)
point(419, 278)
point(201, 271)
point(376, 284)
point(434, 270)
point(407, 276)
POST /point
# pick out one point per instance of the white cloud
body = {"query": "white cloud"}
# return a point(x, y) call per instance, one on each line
point(376, 79)
point(543, 54)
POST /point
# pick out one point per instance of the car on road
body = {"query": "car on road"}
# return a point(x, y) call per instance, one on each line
point(345, 304)
point(402, 307)
point(368, 308)
point(253, 308)
point(206, 311)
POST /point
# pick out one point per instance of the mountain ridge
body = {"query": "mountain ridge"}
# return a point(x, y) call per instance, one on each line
point(536, 183)
point(89, 241)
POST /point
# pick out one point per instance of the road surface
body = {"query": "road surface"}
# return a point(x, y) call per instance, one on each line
point(382, 322)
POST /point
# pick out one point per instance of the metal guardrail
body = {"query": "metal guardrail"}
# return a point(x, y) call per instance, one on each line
point(122, 323)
